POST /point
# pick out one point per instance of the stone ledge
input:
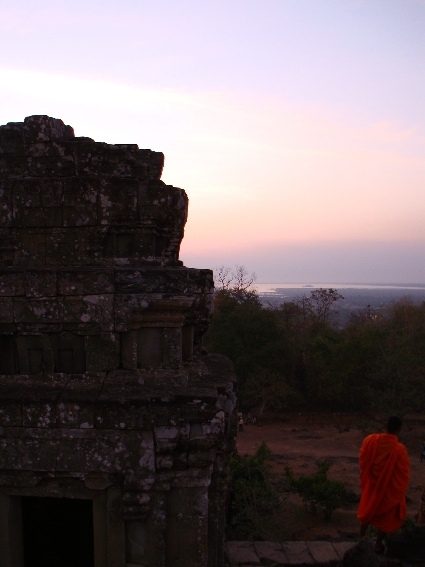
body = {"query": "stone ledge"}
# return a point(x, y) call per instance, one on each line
point(275, 554)
point(297, 553)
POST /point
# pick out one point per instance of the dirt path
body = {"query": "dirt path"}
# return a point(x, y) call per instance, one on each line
point(299, 445)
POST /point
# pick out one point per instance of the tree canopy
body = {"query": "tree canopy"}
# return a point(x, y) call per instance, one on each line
point(293, 357)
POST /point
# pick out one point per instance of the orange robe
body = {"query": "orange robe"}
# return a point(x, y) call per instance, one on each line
point(384, 478)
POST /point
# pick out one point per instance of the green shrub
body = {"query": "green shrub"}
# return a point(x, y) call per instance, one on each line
point(254, 498)
point(317, 490)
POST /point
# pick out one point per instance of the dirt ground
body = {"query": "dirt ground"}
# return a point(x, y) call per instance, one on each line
point(301, 440)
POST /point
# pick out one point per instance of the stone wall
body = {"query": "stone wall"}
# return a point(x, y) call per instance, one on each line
point(105, 390)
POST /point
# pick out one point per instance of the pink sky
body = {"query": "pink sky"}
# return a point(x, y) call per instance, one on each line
point(296, 127)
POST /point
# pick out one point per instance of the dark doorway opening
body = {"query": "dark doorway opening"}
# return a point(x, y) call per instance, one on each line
point(57, 532)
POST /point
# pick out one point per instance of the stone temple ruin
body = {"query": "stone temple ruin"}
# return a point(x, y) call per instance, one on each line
point(116, 428)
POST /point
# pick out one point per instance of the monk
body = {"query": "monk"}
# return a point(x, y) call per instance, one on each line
point(384, 478)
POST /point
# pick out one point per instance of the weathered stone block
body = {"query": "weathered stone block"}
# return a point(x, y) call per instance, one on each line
point(195, 413)
point(297, 553)
point(103, 352)
point(117, 201)
point(30, 248)
point(341, 547)
point(90, 281)
point(25, 479)
point(68, 247)
point(128, 243)
point(39, 403)
point(25, 454)
point(195, 500)
point(8, 355)
point(35, 353)
point(69, 353)
point(6, 257)
point(88, 157)
point(52, 202)
point(241, 552)
point(13, 166)
point(126, 403)
point(166, 433)
point(75, 407)
point(164, 463)
point(37, 202)
point(120, 161)
point(6, 310)
point(58, 149)
point(94, 309)
point(127, 308)
point(30, 216)
point(7, 243)
point(155, 543)
point(135, 541)
point(172, 347)
point(156, 165)
point(133, 510)
point(35, 310)
point(138, 280)
point(51, 193)
point(201, 458)
point(40, 283)
point(323, 552)
point(6, 208)
point(11, 394)
point(11, 139)
point(200, 438)
point(111, 453)
point(129, 350)
point(36, 129)
point(80, 202)
point(270, 553)
point(45, 166)
point(7, 329)
point(186, 541)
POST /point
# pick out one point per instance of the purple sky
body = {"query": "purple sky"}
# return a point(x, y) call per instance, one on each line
point(297, 127)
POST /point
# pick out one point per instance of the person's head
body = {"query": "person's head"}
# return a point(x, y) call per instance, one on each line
point(394, 424)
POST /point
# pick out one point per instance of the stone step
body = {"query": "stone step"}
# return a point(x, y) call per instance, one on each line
point(290, 554)
point(294, 553)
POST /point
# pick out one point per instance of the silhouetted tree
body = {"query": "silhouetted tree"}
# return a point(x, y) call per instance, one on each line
point(292, 357)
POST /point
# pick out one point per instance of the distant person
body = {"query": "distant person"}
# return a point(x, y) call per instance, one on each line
point(422, 451)
point(241, 423)
point(384, 478)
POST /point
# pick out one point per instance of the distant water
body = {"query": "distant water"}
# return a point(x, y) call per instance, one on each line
point(354, 296)
point(265, 288)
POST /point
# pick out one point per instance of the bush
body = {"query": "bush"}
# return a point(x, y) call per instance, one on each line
point(254, 499)
point(317, 490)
